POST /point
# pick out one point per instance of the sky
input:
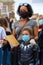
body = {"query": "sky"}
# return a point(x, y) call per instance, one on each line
point(37, 1)
point(37, 6)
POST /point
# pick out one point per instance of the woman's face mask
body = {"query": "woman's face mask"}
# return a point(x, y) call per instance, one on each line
point(25, 38)
point(40, 22)
point(24, 14)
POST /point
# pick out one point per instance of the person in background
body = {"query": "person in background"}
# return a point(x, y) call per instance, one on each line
point(8, 31)
point(2, 40)
point(28, 49)
point(10, 23)
point(40, 40)
point(11, 20)
point(39, 18)
point(6, 47)
point(35, 17)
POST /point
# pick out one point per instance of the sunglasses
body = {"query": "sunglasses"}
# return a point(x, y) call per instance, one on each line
point(23, 4)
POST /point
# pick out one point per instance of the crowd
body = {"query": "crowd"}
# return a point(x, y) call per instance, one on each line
point(28, 31)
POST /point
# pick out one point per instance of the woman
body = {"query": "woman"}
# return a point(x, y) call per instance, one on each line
point(25, 12)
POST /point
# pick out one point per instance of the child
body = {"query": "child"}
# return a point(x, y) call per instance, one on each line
point(2, 40)
point(28, 49)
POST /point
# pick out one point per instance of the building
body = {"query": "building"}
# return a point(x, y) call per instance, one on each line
point(6, 6)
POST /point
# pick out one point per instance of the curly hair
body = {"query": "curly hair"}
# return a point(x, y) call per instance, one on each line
point(30, 10)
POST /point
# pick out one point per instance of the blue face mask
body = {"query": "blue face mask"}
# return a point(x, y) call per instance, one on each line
point(25, 38)
point(40, 22)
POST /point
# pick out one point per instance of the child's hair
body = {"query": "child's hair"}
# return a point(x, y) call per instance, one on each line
point(27, 29)
point(3, 22)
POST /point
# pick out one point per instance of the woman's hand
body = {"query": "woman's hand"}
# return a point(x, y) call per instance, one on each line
point(1, 41)
point(4, 41)
point(32, 41)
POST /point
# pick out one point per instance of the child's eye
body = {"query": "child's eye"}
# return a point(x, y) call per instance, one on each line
point(24, 34)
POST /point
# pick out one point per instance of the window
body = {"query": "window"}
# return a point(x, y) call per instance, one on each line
point(4, 9)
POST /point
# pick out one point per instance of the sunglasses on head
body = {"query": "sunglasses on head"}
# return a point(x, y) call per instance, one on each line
point(25, 4)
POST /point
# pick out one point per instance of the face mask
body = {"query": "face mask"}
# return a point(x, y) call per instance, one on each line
point(24, 14)
point(40, 22)
point(25, 38)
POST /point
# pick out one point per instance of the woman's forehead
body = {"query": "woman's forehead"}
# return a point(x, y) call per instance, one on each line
point(25, 32)
point(23, 8)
